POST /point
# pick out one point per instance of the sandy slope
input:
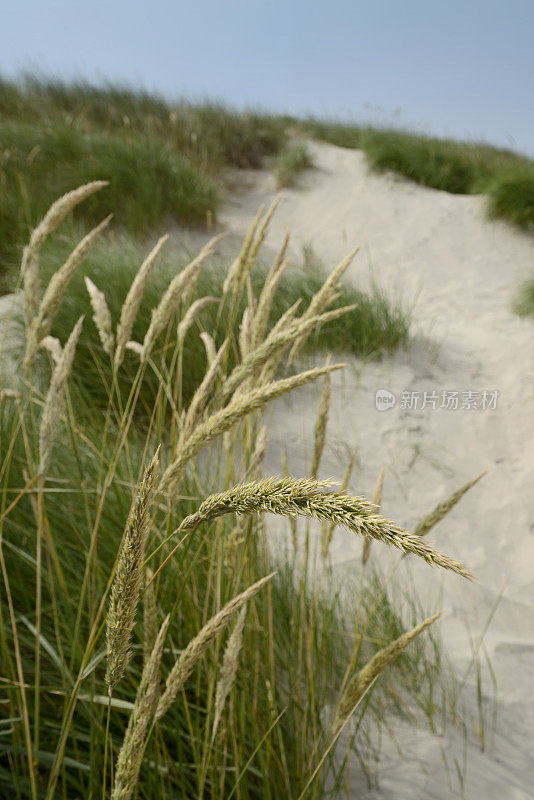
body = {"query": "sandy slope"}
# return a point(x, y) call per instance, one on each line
point(462, 270)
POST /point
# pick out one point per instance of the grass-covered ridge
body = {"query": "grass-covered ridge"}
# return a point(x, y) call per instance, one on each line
point(150, 185)
point(164, 162)
point(168, 161)
point(456, 167)
point(209, 134)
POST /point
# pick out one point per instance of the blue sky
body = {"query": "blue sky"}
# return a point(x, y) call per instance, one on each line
point(463, 69)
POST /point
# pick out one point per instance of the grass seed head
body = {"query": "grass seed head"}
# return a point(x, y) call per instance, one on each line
point(228, 669)
point(49, 306)
point(128, 578)
point(133, 745)
point(442, 509)
point(55, 397)
point(185, 663)
point(168, 304)
point(307, 497)
point(321, 423)
point(101, 316)
point(222, 420)
point(362, 681)
point(133, 300)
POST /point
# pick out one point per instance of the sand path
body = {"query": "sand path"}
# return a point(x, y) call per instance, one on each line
point(461, 270)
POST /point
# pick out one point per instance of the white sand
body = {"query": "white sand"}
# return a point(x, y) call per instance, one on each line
point(439, 250)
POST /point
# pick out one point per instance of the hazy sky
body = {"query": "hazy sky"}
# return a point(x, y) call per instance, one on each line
point(464, 69)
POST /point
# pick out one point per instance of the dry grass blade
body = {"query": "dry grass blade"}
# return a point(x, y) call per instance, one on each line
point(244, 272)
point(321, 423)
point(376, 499)
point(191, 314)
point(268, 292)
point(128, 577)
point(133, 300)
point(275, 344)
point(245, 332)
point(269, 370)
point(209, 346)
point(201, 396)
point(442, 509)
point(307, 497)
point(133, 746)
point(360, 683)
point(31, 285)
point(42, 322)
point(324, 297)
point(101, 316)
point(30, 257)
point(59, 210)
point(54, 399)
point(53, 346)
point(222, 420)
point(228, 670)
point(169, 302)
point(233, 278)
point(197, 647)
point(150, 615)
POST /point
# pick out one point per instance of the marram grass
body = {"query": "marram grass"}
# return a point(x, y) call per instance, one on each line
point(310, 498)
point(132, 667)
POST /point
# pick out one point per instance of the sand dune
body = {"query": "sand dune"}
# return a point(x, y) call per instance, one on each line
point(461, 270)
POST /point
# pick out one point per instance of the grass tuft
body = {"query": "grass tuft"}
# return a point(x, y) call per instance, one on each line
point(290, 163)
point(511, 198)
point(524, 300)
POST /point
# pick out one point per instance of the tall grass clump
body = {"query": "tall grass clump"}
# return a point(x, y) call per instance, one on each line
point(523, 303)
point(511, 198)
point(426, 161)
point(151, 639)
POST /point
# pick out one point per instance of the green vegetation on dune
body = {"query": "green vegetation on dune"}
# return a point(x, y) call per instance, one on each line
point(511, 198)
point(290, 163)
point(210, 134)
point(167, 161)
point(164, 161)
point(150, 186)
point(524, 300)
point(456, 167)
point(430, 162)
